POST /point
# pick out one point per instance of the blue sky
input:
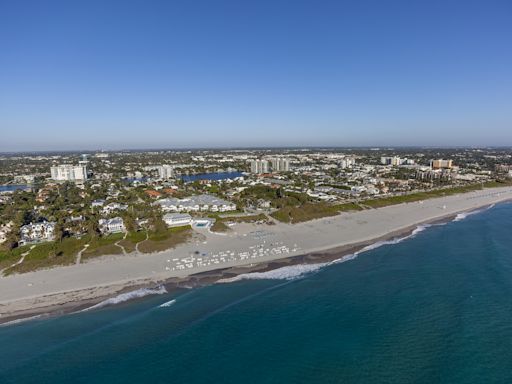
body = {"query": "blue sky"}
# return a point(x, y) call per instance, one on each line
point(145, 74)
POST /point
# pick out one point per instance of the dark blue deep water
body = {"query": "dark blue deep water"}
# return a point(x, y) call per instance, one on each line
point(436, 308)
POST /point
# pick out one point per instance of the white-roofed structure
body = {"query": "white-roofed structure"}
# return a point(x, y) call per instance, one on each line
point(114, 225)
point(177, 219)
point(37, 232)
point(198, 203)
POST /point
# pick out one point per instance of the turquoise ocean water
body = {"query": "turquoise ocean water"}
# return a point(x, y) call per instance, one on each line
point(434, 308)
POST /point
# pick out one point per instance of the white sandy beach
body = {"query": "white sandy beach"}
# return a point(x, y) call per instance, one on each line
point(246, 244)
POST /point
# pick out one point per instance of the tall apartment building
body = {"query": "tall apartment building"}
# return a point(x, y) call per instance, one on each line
point(280, 164)
point(347, 162)
point(395, 160)
point(165, 171)
point(440, 164)
point(68, 172)
point(259, 166)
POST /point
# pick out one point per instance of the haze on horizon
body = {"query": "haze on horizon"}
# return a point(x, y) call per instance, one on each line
point(162, 74)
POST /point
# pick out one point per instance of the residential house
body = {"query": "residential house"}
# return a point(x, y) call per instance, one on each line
point(112, 207)
point(98, 203)
point(37, 232)
point(114, 225)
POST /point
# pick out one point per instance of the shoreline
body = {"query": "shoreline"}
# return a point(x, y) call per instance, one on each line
point(74, 301)
point(249, 248)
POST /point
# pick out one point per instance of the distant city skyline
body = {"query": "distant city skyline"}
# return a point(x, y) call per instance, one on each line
point(145, 75)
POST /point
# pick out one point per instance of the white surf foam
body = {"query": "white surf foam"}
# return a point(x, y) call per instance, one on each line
point(290, 272)
point(128, 296)
point(22, 320)
point(167, 303)
point(463, 215)
point(298, 271)
point(378, 244)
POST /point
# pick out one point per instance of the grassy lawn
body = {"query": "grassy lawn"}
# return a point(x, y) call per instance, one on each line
point(392, 200)
point(494, 184)
point(103, 246)
point(8, 258)
point(219, 226)
point(50, 254)
point(246, 219)
point(220, 222)
point(310, 211)
point(166, 240)
point(348, 207)
point(382, 202)
point(131, 240)
point(229, 213)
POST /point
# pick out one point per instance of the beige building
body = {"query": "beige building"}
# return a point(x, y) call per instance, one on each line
point(440, 164)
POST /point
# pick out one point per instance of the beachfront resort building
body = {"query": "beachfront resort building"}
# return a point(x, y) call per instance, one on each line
point(259, 166)
point(177, 219)
point(68, 172)
point(197, 203)
point(37, 233)
point(114, 225)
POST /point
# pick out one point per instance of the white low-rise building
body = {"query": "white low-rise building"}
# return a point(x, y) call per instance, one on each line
point(177, 219)
point(98, 203)
point(114, 225)
point(37, 232)
point(112, 207)
point(205, 203)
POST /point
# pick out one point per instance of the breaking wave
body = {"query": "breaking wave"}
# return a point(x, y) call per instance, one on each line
point(378, 244)
point(128, 296)
point(463, 215)
point(22, 320)
point(167, 303)
point(290, 272)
